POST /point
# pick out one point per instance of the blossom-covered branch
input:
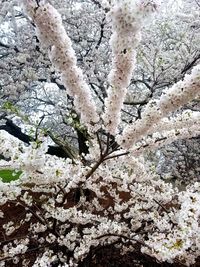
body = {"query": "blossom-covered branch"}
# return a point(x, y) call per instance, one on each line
point(157, 140)
point(52, 35)
point(127, 18)
point(178, 95)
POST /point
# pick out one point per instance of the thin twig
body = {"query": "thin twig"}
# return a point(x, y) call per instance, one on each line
point(118, 155)
point(107, 143)
point(100, 145)
point(126, 237)
point(31, 211)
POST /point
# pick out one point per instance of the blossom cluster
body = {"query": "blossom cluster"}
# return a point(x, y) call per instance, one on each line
point(128, 203)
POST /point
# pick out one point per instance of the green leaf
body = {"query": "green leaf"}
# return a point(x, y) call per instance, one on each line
point(10, 107)
point(9, 175)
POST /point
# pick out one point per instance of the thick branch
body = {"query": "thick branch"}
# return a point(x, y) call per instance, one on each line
point(14, 130)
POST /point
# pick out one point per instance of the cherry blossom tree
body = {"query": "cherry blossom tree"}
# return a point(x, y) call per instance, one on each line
point(27, 90)
point(61, 211)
